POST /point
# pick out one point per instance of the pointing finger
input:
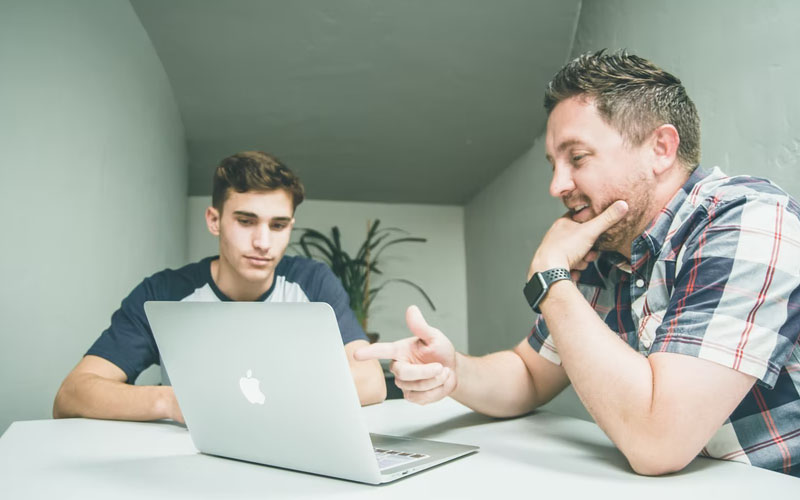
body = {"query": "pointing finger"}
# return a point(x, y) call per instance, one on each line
point(380, 350)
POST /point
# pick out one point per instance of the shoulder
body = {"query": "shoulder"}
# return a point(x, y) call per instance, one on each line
point(296, 269)
point(176, 284)
point(719, 192)
point(315, 279)
point(722, 207)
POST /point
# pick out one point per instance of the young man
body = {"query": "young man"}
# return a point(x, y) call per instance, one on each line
point(679, 325)
point(253, 203)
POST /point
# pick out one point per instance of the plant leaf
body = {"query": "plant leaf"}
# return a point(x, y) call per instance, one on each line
point(407, 239)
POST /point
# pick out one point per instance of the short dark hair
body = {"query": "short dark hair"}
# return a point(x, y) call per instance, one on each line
point(254, 171)
point(633, 95)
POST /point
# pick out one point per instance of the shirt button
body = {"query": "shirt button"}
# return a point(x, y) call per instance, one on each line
point(640, 282)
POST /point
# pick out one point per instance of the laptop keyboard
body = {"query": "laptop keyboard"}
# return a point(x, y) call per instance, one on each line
point(391, 458)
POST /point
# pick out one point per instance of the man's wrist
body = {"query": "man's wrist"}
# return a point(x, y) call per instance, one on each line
point(164, 402)
point(554, 289)
point(537, 287)
point(542, 264)
point(458, 364)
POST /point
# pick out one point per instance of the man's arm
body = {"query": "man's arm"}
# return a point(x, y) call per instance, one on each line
point(660, 411)
point(368, 375)
point(96, 388)
point(503, 384)
point(507, 383)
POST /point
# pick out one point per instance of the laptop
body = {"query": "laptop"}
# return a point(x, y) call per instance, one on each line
point(270, 383)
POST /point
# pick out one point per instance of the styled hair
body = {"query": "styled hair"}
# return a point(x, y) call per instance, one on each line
point(254, 171)
point(632, 95)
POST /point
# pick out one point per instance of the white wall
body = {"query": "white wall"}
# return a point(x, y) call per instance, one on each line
point(92, 185)
point(739, 64)
point(438, 265)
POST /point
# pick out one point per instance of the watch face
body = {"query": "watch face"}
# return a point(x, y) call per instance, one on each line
point(534, 290)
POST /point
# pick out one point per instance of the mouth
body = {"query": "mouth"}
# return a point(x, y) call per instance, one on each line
point(579, 213)
point(259, 261)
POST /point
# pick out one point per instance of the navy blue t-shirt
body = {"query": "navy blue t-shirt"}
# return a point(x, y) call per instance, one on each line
point(129, 342)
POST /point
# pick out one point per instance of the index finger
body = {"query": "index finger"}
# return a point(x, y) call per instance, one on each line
point(379, 350)
point(610, 216)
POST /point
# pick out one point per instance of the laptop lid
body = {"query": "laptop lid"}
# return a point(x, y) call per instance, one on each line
point(270, 383)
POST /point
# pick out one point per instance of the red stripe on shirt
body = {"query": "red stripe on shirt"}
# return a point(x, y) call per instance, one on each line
point(689, 287)
point(773, 430)
point(762, 294)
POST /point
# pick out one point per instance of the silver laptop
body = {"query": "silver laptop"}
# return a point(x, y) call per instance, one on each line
point(270, 383)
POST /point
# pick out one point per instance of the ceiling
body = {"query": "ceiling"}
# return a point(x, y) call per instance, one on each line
point(419, 101)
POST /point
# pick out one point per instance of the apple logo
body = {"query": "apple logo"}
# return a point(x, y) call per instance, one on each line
point(250, 388)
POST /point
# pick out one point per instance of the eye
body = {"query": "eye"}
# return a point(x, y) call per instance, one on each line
point(278, 226)
point(578, 158)
point(245, 222)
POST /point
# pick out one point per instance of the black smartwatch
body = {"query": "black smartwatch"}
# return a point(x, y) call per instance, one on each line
point(536, 289)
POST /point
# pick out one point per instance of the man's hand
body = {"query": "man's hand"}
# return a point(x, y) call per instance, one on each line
point(424, 365)
point(169, 404)
point(568, 244)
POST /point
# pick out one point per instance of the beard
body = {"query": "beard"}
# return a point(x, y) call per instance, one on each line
point(638, 195)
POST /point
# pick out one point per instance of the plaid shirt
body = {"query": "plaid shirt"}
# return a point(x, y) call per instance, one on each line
point(716, 276)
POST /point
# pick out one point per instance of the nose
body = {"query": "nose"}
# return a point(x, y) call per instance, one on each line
point(262, 237)
point(562, 183)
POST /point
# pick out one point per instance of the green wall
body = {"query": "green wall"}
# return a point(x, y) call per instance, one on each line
point(739, 63)
point(92, 184)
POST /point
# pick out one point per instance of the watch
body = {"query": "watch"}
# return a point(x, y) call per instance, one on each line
point(536, 289)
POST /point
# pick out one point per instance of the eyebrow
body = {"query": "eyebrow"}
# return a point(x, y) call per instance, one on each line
point(255, 216)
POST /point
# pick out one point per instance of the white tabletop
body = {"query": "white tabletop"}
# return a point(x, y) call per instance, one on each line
point(530, 457)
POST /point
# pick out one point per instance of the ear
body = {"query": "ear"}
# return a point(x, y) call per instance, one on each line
point(212, 220)
point(665, 147)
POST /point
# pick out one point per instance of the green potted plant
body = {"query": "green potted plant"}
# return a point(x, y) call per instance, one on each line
point(356, 272)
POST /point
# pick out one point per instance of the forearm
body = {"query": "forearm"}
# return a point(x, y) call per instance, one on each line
point(369, 380)
point(498, 384)
point(92, 396)
point(613, 381)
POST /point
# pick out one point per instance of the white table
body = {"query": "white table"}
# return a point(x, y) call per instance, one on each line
point(538, 456)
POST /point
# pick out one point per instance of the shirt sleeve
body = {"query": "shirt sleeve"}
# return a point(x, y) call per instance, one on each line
point(735, 298)
point(329, 289)
point(128, 342)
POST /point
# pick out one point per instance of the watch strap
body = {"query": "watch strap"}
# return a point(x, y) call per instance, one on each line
point(536, 289)
point(555, 274)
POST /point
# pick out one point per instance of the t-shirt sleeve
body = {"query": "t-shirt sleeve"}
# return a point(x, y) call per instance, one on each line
point(329, 289)
point(735, 299)
point(128, 342)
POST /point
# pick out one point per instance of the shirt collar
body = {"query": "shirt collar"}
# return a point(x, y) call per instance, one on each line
point(649, 243)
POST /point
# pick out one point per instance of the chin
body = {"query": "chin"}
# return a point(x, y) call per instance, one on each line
point(608, 242)
point(256, 275)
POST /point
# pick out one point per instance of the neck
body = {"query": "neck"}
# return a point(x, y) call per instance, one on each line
point(236, 288)
point(663, 192)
